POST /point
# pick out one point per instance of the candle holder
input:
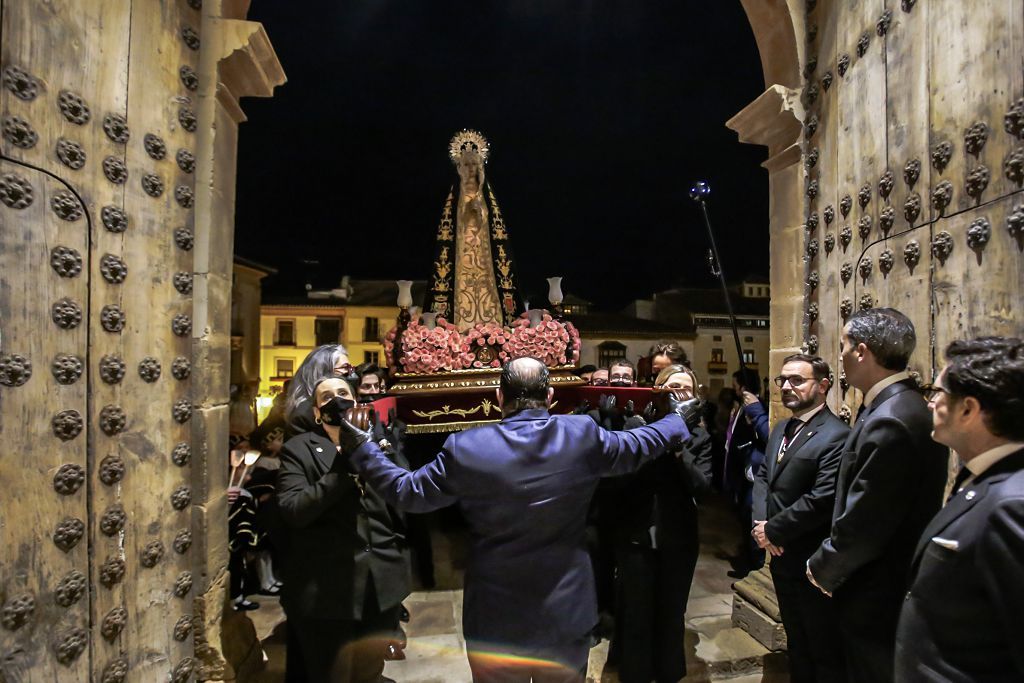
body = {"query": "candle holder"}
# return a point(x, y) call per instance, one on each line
point(404, 317)
point(555, 296)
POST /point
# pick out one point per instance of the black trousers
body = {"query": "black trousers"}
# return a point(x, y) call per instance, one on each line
point(813, 639)
point(560, 663)
point(650, 617)
point(344, 650)
point(868, 625)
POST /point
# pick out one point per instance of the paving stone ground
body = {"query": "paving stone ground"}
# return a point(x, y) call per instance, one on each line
point(437, 651)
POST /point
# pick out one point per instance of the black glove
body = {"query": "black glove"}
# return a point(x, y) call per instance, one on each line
point(691, 410)
point(352, 437)
point(608, 410)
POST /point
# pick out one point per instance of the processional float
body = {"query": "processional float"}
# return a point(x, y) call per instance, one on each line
point(446, 361)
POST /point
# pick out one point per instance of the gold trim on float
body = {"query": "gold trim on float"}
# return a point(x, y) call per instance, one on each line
point(485, 405)
point(462, 381)
point(447, 427)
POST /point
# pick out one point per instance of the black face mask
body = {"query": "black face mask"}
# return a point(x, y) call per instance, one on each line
point(620, 383)
point(332, 412)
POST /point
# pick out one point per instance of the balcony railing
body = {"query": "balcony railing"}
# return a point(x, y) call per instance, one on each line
point(717, 367)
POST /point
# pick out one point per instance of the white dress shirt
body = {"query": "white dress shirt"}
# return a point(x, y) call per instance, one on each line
point(881, 384)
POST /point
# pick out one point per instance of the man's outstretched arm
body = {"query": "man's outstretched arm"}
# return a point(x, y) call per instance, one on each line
point(428, 488)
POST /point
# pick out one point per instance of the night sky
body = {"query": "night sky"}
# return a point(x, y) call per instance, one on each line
point(600, 115)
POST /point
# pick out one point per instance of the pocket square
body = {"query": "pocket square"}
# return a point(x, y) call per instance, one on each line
point(946, 543)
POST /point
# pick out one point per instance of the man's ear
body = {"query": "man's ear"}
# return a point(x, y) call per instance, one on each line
point(551, 395)
point(969, 408)
point(501, 398)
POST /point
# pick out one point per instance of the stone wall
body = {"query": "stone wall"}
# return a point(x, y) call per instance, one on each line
point(116, 222)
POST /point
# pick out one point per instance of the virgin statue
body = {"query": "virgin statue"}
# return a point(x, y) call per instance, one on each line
point(473, 277)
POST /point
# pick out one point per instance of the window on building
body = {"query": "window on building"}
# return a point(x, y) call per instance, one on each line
point(748, 356)
point(371, 330)
point(746, 339)
point(371, 357)
point(285, 334)
point(284, 367)
point(717, 337)
point(717, 355)
point(327, 330)
point(609, 352)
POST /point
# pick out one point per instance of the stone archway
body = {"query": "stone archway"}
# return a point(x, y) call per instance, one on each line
point(908, 119)
point(774, 120)
point(116, 233)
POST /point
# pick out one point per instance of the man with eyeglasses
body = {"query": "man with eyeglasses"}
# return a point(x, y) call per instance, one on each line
point(961, 618)
point(622, 373)
point(891, 479)
point(794, 494)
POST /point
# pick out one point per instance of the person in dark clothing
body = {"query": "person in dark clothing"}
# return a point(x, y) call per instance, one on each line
point(346, 572)
point(524, 485)
point(656, 548)
point(960, 619)
point(891, 478)
point(793, 499)
point(744, 457)
point(328, 360)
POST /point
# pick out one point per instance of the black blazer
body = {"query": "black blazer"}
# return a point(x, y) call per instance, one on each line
point(796, 496)
point(891, 480)
point(661, 495)
point(337, 536)
point(961, 618)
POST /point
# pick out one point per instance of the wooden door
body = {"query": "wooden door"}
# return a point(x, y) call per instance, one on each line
point(95, 339)
point(913, 150)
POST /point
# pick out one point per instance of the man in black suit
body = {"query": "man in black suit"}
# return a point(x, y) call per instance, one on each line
point(794, 494)
point(890, 485)
point(524, 486)
point(961, 619)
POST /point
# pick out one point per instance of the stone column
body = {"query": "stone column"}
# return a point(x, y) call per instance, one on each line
point(236, 60)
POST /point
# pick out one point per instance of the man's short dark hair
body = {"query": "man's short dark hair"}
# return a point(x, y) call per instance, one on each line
point(371, 368)
point(585, 369)
point(819, 366)
point(887, 333)
point(622, 363)
point(524, 384)
point(749, 380)
point(676, 354)
point(990, 369)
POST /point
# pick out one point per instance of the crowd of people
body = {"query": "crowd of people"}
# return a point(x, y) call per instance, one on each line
point(585, 525)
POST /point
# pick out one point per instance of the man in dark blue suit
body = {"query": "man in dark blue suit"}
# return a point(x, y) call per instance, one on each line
point(524, 486)
point(961, 618)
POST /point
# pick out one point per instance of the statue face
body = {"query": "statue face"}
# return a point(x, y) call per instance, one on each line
point(470, 171)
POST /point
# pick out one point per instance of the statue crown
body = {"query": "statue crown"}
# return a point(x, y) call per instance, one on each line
point(467, 140)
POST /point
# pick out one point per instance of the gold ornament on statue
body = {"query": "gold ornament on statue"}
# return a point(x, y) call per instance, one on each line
point(468, 140)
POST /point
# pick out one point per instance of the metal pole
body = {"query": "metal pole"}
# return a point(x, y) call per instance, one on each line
point(698, 193)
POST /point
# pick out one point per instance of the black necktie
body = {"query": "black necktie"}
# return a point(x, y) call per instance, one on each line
point(788, 434)
point(963, 475)
point(792, 427)
point(860, 411)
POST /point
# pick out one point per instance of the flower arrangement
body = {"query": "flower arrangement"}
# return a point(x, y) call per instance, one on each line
point(485, 345)
point(482, 346)
point(426, 350)
point(548, 342)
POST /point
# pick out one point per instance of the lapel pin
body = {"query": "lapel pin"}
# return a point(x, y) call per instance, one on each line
point(319, 450)
point(969, 495)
